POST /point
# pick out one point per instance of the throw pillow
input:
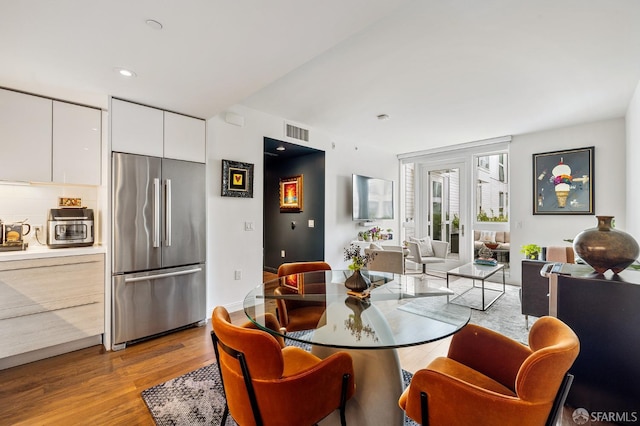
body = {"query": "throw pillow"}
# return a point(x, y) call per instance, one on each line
point(425, 245)
point(488, 236)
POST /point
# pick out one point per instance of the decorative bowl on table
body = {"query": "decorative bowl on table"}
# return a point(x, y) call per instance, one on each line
point(492, 246)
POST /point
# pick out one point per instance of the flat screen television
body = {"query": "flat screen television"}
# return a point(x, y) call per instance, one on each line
point(372, 198)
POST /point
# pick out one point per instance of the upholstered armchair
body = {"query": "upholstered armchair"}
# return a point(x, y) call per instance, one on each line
point(427, 251)
point(267, 384)
point(489, 379)
point(296, 314)
point(386, 260)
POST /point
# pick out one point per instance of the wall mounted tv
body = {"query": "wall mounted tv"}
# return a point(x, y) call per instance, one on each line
point(372, 198)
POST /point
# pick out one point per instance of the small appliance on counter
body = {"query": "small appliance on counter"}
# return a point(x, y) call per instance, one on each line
point(11, 236)
point(70, 227)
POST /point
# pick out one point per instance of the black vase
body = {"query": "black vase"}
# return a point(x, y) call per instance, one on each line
point(605, 248)
point(357, 282)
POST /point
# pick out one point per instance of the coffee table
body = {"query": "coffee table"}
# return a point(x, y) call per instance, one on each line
point(478, 273)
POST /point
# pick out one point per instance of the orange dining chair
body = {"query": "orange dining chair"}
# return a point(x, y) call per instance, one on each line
point(296, 314)
point(490, 379)
point(268, 384)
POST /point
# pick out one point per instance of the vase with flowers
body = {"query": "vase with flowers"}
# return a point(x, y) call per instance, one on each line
point(357, 281)
point(375, 233)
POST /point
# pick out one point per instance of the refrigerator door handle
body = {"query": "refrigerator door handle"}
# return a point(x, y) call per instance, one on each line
point(165, 275)
point(167, 214)
point(156, 212)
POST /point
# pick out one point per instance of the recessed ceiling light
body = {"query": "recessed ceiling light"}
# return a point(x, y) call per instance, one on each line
point(383, 117)
point(280, 148)
point(125, 72)
point(154, 24)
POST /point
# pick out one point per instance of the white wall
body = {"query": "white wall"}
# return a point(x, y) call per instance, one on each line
point(610, 178)
point(230, 247)
point(633, 165)
point(32, 202)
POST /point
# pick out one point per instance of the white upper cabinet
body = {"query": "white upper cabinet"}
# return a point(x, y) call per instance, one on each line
point(76, 144)
point(139, 129)
point(25, 137)
point(136, 129)
point(184, 137)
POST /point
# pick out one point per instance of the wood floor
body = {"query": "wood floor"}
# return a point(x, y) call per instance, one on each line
point(98, 387)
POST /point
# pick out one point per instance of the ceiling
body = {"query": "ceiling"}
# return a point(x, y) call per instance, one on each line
point(445, 72)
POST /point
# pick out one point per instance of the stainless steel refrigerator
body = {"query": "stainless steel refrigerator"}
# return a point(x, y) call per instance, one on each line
point(159, 247)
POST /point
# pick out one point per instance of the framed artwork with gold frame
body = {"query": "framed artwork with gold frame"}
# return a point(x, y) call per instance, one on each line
point(294, 282)
point(237, 179)
point(291, 194)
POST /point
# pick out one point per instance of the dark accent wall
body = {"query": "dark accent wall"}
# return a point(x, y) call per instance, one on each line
point(301, 243)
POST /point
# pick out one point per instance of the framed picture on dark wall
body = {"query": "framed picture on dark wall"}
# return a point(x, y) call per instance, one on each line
point(291, 194)
point(294, 282)
point(563, 182)
point(237, 179)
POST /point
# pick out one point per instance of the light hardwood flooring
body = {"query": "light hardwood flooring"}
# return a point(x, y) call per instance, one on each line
point(97, 387)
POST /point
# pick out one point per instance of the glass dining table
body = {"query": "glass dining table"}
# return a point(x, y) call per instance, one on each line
point(398, 311)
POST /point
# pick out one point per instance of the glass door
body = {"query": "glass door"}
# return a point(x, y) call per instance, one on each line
point(443, 213)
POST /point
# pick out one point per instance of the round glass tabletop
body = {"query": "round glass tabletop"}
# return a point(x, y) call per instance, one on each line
point(314, 308)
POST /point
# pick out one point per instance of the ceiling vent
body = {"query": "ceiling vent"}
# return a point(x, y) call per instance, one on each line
point(296, 132)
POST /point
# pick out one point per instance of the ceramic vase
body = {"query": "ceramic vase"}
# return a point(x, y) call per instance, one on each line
point(357, 282)
point(605, 248)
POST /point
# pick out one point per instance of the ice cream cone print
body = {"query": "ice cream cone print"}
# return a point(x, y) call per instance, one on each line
point(562, 179)
point(562, 198)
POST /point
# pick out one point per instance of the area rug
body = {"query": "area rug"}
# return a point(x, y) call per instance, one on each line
point(197, 398)
point(504, 316)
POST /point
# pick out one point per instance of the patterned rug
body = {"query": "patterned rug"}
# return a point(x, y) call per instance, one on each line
point(196, 398)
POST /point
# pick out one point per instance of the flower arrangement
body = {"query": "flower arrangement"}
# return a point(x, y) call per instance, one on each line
point(358, 260)
point(375, 232)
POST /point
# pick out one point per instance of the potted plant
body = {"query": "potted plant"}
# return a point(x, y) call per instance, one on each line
point(455, 223)
point(531, 251)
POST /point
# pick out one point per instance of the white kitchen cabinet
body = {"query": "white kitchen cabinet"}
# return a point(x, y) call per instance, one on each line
point(139, 129)
point(25, 133)
point(49, 302)
point(136, 129)
point(184, 137)
point(76, 144)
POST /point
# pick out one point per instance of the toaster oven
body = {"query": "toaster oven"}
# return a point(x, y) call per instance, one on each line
point(70, 228)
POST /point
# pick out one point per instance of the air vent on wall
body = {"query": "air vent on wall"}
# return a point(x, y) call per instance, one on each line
point(297, 132)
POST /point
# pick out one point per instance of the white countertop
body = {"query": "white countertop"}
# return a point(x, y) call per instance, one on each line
point(38, 252)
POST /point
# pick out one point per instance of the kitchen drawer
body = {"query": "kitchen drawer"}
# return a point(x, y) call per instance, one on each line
point(40, 285)
point(32, 332)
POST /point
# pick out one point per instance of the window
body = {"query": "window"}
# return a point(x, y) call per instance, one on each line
point(492, 191)
point(483, 162)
